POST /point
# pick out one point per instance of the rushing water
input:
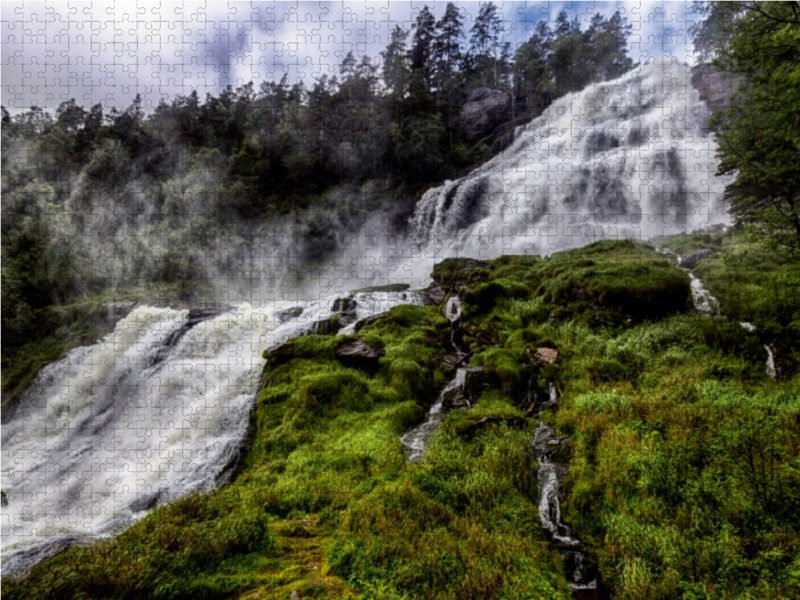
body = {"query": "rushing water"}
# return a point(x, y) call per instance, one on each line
point(155, 410)
point(580, 569)
point(159, 407)
point(630, 158)
point(417, 437)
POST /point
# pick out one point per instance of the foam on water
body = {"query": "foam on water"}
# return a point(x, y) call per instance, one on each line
point(630, 158)
point(157, 409)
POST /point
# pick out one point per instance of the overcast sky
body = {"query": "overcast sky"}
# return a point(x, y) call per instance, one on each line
point(110, 51)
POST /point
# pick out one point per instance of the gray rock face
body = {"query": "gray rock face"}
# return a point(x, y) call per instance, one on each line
point(358, 353)
point(690, 261)
point(436, 294)
point(476, 378)
point(712, 86)
point(484, 110)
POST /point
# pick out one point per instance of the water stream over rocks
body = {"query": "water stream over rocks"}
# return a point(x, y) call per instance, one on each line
point(159, 408)
point(580, 568)
point(709, 305)
point(156, 410)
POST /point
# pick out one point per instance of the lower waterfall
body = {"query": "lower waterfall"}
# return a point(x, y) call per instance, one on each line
point(155, 410)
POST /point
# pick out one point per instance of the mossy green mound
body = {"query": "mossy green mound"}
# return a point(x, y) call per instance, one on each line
point(683, 478)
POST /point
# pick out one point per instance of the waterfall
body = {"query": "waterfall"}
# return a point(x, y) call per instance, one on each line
point(703, 300)
point(155, 410)
point(159, 407)
point(417, 438)
point(630, 158)
point(581, 571)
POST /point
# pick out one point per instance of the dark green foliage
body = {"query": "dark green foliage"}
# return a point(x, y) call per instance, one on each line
point(758, 46)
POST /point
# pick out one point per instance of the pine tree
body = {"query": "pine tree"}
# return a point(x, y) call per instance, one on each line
point(447, 46)
point(422, 47)
point(485, 42)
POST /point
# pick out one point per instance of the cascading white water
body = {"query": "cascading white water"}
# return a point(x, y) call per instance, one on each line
point(416, 439)
point(157, 409)
point(581, 575)
point(160, 406)
point(703, 300)
point(630, 158)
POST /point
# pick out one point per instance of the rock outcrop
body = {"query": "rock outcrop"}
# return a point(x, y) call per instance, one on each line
point(691, 261)
point(359, 354)
point(484, 110)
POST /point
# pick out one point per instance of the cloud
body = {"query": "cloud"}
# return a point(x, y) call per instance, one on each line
point(110, 51)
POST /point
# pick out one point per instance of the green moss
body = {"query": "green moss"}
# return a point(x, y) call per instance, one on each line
point(683, 478)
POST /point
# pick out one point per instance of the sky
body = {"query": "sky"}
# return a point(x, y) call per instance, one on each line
point(107, 52)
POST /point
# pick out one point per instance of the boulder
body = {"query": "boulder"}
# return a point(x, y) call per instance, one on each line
point(436, 294)
point(359, 354)
point(368, 321)
point(475, 379)
point(543, 356)
point(484, 110)
point(453, 273)
point(280, 353)
point(690, 261)
point(343, 305)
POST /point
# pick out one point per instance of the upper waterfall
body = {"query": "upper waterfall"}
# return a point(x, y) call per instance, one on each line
point(628, 158)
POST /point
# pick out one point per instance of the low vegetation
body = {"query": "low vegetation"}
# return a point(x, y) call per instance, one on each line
point(683, 482)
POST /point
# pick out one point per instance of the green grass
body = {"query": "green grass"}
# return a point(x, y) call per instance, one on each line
point(684, 480)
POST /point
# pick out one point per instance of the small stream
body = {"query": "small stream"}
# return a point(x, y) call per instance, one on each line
point(580, 569)
point(709, 305)
point(416, 439)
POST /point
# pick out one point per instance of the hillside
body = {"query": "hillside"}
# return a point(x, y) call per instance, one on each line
point(682, 478)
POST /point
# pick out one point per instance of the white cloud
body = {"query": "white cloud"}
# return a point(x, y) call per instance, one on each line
point(108, 52)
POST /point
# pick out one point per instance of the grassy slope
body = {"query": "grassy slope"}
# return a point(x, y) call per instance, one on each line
point(684, 478)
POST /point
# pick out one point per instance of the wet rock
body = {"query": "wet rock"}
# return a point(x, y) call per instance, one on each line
point(543, 356)
point(436, 294)
point(359, 354)
point(287, 315)
point(476, 378)
point(204, 312)
point(392, 287)
point(343, 305)
point(145, 502)
point(452, 360)
point(690, 261)
point(280, 353)
point(368, 321)
point(484, 110)
point(453, 273)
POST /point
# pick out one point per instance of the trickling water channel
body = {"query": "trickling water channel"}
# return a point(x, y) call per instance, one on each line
point(580, 568)
point(417, 438)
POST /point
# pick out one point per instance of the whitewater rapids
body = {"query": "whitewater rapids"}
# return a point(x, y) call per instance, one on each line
point(628, 158)
point(156, 410)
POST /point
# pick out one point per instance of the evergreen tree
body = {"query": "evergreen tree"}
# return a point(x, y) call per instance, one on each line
point(422, 47)
point(533, 80)
point(485, 43)
point(447, 46)
point(759, 134)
